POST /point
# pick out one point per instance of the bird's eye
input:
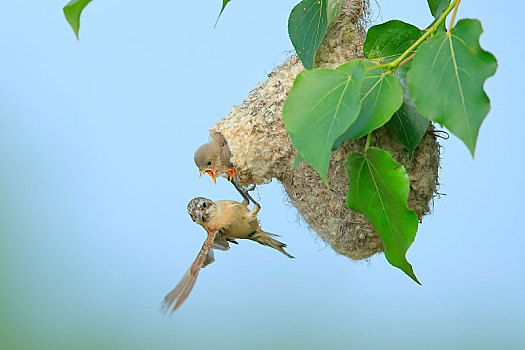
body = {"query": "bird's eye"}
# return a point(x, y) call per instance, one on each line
point(209, 162)
point(204, 205)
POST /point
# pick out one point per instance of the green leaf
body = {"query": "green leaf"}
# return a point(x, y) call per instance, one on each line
point(407, 124)
point(446, 80)
point(408, 127)
point(321, 105)
point(441, 28)
point(72, 11)
point(387, 41)
point(437, 6)
point(379, 190)
point(381, 95)
point(224, 3)
point(307, 26)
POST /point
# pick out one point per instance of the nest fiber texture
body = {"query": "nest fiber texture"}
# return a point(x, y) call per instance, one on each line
point(261, 150)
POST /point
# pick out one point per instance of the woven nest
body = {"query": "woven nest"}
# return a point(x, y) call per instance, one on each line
point(262, 150)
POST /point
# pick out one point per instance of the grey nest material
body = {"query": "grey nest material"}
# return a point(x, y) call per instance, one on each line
point(261, 149)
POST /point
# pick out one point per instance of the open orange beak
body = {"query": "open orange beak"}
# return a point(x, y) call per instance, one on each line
point(209, 172)
point(230, 172)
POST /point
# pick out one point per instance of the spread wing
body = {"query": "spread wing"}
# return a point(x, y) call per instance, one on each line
point(184, 287)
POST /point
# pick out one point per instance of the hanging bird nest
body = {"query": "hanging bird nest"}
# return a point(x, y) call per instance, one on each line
point(262, 150)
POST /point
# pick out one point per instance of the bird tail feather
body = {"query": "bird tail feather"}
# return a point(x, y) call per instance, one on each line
point(265, 238)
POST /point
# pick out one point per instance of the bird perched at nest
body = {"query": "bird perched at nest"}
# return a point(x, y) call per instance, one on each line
point(224, 221)
point(214, 158)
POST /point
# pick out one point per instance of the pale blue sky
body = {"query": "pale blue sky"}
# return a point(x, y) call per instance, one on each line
point(96, 145)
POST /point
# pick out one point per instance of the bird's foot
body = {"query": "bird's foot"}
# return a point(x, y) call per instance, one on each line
point(244, 192)
point(250, 188)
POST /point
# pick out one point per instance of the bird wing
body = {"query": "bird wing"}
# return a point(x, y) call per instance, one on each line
point(221, 244)
point(228, 213)
point(210, 258)
point(184, 287)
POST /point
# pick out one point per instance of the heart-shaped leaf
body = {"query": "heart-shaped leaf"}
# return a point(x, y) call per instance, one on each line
point(407, 124)
point(408, 127)
point(307, 26)
point(381, 95)
point(321, 105)
point(72, 11)
point(379, 189)
point(446, 80)
point(389, 40)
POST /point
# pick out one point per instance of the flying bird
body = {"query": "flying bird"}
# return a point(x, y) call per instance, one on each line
point(214, 158)
point(224, 221)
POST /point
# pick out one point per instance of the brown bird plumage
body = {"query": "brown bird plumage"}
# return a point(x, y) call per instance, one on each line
point(214, 158)
point(224, 221)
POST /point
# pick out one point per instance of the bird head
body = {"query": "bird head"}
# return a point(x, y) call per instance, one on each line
point(199, 208)
point(207, 159)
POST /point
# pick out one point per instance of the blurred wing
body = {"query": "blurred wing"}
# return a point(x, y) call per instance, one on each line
point(210, 258)
point(183, 289)
point(221, 243)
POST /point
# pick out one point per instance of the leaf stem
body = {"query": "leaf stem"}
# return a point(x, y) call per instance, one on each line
point(406, 60)
point(453, 16)
point(395, 63)
point(368, 137)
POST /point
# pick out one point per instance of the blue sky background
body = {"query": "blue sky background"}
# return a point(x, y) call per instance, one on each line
point(96, 150)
